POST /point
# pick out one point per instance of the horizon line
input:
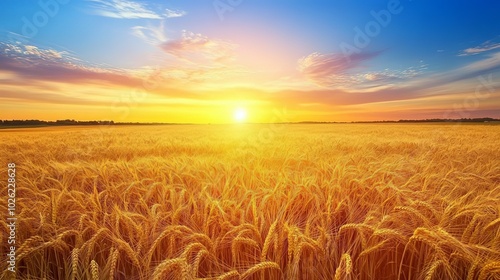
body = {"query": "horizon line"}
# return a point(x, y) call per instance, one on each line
point(69, 122)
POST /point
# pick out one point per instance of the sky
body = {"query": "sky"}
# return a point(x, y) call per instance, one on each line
point(225, 61)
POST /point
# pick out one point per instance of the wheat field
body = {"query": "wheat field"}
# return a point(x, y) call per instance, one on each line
point(325, 201)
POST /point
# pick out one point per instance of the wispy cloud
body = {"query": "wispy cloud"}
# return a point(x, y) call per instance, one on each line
point(484, 47)
point(124, 9)
point(174, 13)
point(32, 63)
point(128, 9)
point(472, 70)
point(194, 47)
point(413, 83)
point(42, 74)
point(154, 35)
point(33, 51)
point(330, 70)
point(386, 78)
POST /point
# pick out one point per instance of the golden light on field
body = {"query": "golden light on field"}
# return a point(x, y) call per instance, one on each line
point(240, 115)
point(343, 201)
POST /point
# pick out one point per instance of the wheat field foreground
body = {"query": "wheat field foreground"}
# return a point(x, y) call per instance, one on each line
point(339, 201)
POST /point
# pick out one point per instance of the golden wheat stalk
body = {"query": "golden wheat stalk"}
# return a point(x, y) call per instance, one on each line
point(94, 270)
point(74, 263)
point(90, 243)
point(433, 268)
point(490, 269)
point(472, 270)
point(169, 265)
point(128, 251)
point(196, 264)
point(114, 261)
point(229, 275)
point(191, 247)
point(259, 267)
point(391, 234)
point(373, 249)
point(268, 240)
point(344, 268)
point(238, 241)
point(414, 213)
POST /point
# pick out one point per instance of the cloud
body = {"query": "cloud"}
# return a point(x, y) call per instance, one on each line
point(334, 71)
point(32, 63)
point(484, 47)
point(469, 71)
point(331, 69)
point(33, 51)
point(47, 97)
point(196, 47)
point(128, 9)
point(387, 76)
point(409, 84)
point(124, 9)
point(31, 70)
point(375, 76)
point(174, 13)
point(154, 35)
point(38, 74)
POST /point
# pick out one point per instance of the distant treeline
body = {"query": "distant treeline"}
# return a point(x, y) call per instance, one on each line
point(441, 120)
point(471, 120)
point(18, 123)
point(51, 123)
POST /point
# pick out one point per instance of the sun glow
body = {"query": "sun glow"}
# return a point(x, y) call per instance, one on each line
point(240, 115)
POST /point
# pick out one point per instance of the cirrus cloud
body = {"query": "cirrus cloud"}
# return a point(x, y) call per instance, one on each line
point(195, 47)
point(32, 63)
point(331, 69)
point(124, 9)
point(153, 35)
point(484, 47)
point(128, 9)
point(174, 13)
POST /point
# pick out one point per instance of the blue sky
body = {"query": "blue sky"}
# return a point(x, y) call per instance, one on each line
point(419, 59)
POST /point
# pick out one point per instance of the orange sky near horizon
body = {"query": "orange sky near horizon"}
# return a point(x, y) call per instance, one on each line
point(183, 62)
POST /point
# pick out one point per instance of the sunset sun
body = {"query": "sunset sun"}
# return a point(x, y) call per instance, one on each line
point(240, 115)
